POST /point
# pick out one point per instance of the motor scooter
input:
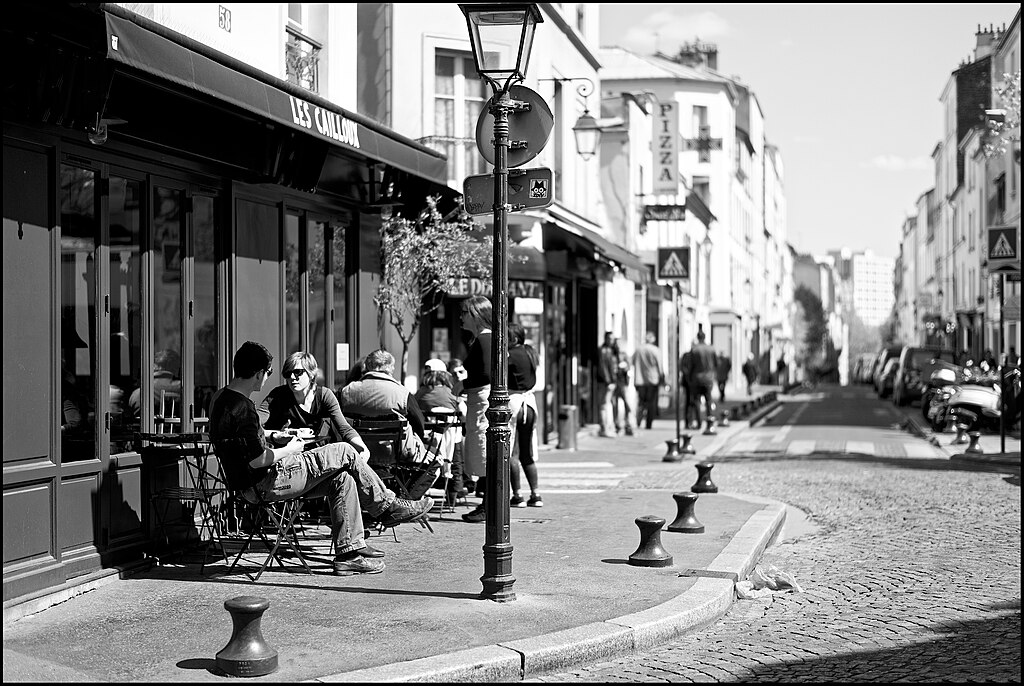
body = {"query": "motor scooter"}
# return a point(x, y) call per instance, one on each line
point(941, 385)
point(974, 405)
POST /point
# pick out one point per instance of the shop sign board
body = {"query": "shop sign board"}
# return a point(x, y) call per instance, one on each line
point(664, 213)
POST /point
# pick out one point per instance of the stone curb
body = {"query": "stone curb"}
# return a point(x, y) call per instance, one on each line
point(1010, 459)
point(703, 603)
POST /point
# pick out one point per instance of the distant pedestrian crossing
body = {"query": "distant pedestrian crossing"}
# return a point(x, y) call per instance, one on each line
point(766, 445)
point(579, 477)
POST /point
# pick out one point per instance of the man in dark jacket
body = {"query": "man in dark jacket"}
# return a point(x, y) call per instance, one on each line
point(722, 374)
point(705, 364)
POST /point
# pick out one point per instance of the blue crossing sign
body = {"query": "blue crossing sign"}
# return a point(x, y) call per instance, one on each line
point(674, 264)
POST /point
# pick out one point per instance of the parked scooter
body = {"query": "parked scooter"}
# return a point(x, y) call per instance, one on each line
point(942, 384)
point(974, 405)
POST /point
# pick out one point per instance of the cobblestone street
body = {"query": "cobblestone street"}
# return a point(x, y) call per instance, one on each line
point(910, 570)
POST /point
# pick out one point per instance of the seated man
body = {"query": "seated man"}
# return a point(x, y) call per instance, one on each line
point(280, 473)
point(378, 394)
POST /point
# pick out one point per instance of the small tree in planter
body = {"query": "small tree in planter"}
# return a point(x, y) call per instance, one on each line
point(418, 261)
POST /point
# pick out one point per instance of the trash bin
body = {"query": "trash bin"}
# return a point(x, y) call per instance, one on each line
point(567, 427)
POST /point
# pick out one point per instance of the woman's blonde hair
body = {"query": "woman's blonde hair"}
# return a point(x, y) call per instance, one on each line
point(301, 359)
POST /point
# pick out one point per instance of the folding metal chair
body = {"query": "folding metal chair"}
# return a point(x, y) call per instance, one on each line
point(442, 425)
point(385, 437)
point(272, 522)
point(199, 502)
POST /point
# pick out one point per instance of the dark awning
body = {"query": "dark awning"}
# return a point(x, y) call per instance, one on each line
point(144, 45)
point(632, 265)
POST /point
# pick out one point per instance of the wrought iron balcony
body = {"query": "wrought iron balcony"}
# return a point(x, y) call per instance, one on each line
point(302, 61)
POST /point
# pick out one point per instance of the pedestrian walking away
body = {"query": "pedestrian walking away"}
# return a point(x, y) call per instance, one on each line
point(522, 377)
point(620, 392)
point(722, 369)
point(649, 377)
point(705, 366)
point(750, 372)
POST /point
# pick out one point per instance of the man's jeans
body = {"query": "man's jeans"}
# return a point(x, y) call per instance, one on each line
point(338, 472)
point(647, 404)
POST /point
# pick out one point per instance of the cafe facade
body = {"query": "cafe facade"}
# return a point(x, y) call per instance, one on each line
point(163, 203)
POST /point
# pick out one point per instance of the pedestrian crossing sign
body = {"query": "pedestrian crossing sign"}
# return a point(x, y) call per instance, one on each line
point(1003, 249)
point(674, 264)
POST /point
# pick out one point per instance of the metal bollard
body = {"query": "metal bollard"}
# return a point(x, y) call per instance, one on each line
point(687, 449)
point(974, 448)
point(247, 653)
point(650, 553)
point(704, 483)
point(673, 454)
point(709, 429)
point(685, 521)
point(723, 419)
point(961, 435)
point(567, 427)
point(735, 413)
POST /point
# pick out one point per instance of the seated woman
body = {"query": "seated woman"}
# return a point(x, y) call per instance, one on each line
point(302, 403)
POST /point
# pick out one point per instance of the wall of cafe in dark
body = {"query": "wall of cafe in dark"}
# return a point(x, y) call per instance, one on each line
point(136, 264)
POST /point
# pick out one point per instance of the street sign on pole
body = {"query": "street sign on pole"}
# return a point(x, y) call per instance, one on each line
point(527, 188)
point(674, 264)
point(1003, 249)
point(528, 130)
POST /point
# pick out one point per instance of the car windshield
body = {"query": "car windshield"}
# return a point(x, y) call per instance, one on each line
point(916, 359)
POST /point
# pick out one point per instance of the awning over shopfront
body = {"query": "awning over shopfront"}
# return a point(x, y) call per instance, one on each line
point(575, 231)
point(147, 46)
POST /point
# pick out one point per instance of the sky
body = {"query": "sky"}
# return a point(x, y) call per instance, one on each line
point(850, 95)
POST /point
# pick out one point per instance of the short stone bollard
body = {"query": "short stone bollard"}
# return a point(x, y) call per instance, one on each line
point(685, 521)
point(974, 448)
point(650, 553)
point(673, 454)
point(704, 483)
point(723, 419)
point(709, 428)
point(247, 653)
point(686, 448)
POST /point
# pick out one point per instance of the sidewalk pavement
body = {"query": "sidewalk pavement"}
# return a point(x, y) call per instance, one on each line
point(990, 444)
point(577, 597)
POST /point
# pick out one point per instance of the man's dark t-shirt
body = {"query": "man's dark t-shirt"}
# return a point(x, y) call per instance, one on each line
point(237, 437)
point(704, 364)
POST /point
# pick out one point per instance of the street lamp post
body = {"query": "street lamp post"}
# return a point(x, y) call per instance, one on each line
point(493, 29)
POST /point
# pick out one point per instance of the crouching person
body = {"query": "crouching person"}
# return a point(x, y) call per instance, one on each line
point(337, 471)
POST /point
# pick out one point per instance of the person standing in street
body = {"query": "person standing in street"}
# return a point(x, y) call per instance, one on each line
point(722, 370)
point(606, 372)
point(705, 365)
point(649, 377)
point(476, 319)
point(522, 377)
point(686, 386)
point(750, 372)
point(620, 392)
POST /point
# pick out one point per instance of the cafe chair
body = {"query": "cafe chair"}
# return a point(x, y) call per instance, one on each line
point(196, 506)
point(167, 419)
point(269, 525)
point(442, 428)
point(398, 457)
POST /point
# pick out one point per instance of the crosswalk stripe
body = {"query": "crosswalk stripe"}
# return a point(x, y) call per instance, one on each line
point(920, 450)
point(861, 447)
point(746, 446)
point(800, 447)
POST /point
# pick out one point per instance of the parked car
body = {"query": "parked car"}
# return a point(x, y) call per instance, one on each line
point(884, 355)
point(913, 370)
point(886, 377)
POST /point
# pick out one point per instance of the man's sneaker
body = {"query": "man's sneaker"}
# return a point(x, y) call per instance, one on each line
point(358, 564)
point(535, 501)
point(516, 501)
point(403, 510)
point(369, 551)
point(477, 515)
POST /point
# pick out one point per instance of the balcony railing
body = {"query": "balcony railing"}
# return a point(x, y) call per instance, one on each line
point(302, 61)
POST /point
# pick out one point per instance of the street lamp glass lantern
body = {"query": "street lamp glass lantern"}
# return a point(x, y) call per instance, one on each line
point(496, 30)
point(587, 133)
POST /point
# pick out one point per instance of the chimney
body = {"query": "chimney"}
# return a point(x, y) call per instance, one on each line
point(985, 40)
point(698, 54)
